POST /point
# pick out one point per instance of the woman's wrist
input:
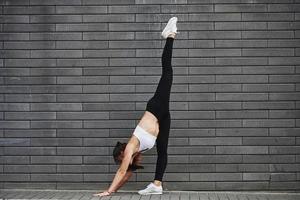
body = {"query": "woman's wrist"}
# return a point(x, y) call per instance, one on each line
point(110, 191)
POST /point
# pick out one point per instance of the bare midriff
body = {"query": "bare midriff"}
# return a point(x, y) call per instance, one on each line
point(149, 123)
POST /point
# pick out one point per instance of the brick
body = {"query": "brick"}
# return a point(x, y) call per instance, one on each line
point(28, 10)
point(284, 60)
point(283, 25)
point(240, 43)
point(242, 61)
point(268, 69)
point(241, 8)
point(267, 17)
point(81, 27)
point(56, 141)
point(215, 17)
point(134, 9)
point(109, 18)
point(241, 131)
point(14, 36)
point(256, 176)
point(28, 28)
point(108, 36)
point(161, 2)
point(284, 150)
point(214, 52)
point(240, 25)
point(268, 87)
point(78, 62)
point(55, 2)
point(186, 8)
point(82, 97)
point(283, 8)
point(241, 96)
point(284, 131)
point(56, 107)
point(245, 114)
point(242, 149)
point(214, 105)
point(15, 19)
point(284, 113)
point(81, 45)
point(31, 133)
point(56, 36)
point(214, 123)
point(268, 52)
point(134, 44)
point(268, 140)
point(80, 132)
point(81, 9)
point(29, 115)
point(56, 71)
point(56, 53)
point(30, 45)
point(267, 34)
point(108, 106)
point(284, 78)
point(283, 43)
point(108, 53)
point(15, 2)
point(268, 123)
point(216, 141)
point(134, 26)
point(14, 124)
point(214, 87)
point(55, 18)
point(30, 63)
point(215, 35)
point(55, 124)
point(241, 78)
point(268, 105)
point(80, 115)
point(14, 106)
point(15, 53)
point(104, 2)
point(284, 96)
point(30, 150)
point(216, 177)
point(83, 80)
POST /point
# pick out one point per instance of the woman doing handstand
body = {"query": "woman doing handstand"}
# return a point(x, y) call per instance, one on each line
point(154, 126)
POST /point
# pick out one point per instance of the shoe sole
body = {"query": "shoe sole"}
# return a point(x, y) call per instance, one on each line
point(151, 193)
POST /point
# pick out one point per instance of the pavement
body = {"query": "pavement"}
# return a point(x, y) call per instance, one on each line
point(133, 195)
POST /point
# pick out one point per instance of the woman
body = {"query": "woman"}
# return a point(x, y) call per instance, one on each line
point(154, 126)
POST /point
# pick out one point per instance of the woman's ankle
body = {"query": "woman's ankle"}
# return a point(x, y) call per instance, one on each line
point(157, 183)
point(172, 35)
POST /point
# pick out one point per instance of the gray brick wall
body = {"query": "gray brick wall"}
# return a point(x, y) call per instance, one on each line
point(76, 76)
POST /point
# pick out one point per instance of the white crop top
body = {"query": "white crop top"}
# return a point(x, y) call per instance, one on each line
point(146, 139)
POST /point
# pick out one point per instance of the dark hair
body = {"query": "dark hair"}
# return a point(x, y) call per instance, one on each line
point(119, 147)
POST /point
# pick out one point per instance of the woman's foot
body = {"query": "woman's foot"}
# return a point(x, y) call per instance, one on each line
point(171, 28)
point(151, 189)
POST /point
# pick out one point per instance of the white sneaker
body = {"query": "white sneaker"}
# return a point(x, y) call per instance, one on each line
point(151, 189)
point(170, 27)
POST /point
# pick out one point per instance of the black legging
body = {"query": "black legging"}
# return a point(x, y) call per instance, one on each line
point(159, 106)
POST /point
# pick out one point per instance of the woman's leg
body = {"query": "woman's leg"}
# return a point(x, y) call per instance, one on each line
point(159, 103)
point(164, 85)
point(162, 148)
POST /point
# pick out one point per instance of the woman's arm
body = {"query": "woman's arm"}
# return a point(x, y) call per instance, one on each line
point(123, 168)
point(124, 180)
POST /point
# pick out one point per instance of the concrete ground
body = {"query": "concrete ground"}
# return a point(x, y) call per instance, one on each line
point(132, 195)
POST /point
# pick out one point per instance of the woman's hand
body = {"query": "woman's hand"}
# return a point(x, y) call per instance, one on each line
point(101, 194)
